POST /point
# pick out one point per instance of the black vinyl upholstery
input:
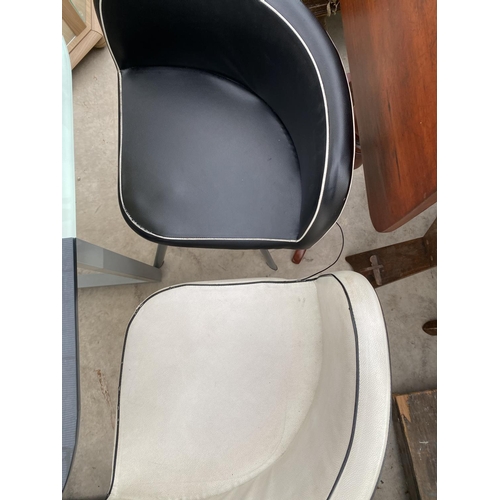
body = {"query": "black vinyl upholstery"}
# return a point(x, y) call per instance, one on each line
point(236, 122)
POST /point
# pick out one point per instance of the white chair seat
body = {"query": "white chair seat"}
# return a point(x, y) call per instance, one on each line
point(261, 390)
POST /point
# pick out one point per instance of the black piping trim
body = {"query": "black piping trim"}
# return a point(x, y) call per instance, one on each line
point(355, 416)
point(287, 282)
point(357, 391)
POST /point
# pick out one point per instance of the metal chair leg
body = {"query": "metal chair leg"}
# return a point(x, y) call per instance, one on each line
point(160, 255)
point(269, 260)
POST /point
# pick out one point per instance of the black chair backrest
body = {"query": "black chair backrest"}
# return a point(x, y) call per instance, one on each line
point(276, 49)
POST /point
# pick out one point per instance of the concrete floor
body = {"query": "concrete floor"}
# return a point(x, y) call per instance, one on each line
point(104, 312)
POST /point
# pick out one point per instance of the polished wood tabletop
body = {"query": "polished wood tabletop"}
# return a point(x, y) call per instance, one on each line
point(391, 46)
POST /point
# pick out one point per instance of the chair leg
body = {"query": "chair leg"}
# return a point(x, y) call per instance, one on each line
point(269, 260)
point(298, 256)
point(160, 255)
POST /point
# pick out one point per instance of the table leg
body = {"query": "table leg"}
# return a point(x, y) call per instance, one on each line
point(112, 268)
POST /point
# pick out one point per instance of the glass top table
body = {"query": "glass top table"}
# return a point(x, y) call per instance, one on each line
point(109, 268)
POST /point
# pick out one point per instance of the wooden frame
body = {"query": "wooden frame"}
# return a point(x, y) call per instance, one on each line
point(88, 33)
point(415, 425)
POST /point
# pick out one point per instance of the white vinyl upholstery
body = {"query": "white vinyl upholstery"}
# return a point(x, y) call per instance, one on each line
point(254, 390)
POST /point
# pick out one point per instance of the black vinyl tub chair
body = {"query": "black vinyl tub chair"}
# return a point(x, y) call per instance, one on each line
point(236, 122)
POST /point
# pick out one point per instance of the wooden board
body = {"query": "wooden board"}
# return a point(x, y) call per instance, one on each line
point(394, 262)
point(391, 45)
point(415, 423)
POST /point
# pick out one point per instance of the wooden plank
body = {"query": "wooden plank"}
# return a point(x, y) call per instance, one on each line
point(415, 423)
point(430, 242)
point(391, 45)
point(394, 262)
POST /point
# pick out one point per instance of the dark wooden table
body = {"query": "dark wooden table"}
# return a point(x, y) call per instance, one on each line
point(391, 45)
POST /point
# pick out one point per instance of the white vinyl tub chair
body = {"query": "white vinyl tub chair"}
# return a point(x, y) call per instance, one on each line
point(254, 390)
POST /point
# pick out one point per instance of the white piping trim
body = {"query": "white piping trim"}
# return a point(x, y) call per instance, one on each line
point(325, 168)
point(353, 137)
point(354, 146)
point(327, 143)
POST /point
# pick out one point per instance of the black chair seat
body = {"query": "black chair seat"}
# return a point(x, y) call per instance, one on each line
point(194, 137)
